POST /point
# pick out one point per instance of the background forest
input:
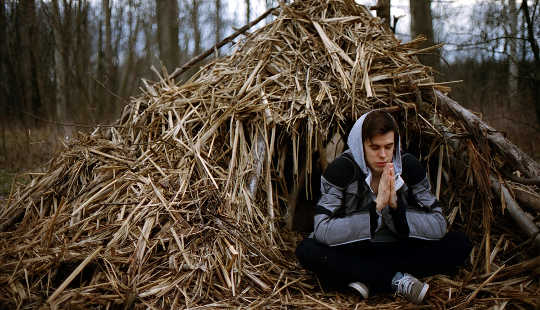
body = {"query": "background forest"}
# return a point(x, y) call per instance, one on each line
point(69, 65)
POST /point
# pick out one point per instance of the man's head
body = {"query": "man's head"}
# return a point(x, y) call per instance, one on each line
point(379, 138)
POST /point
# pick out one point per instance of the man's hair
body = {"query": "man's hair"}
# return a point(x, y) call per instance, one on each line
point(379, 123)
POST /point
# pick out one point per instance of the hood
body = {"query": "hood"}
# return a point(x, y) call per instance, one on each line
point(354, 141)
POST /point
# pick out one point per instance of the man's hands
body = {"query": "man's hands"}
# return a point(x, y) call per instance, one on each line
point(386, 194)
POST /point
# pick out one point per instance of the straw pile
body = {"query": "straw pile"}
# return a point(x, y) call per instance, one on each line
point(183, 203)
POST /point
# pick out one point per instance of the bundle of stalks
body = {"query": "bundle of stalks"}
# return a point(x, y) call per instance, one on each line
point(183, 204)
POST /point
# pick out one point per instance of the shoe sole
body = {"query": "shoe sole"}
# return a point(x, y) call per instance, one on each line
point(360, 289)
point(423, 293)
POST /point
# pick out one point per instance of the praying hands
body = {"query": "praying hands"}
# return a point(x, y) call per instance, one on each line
point(386, 194)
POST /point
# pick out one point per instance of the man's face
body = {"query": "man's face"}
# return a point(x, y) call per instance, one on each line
point(378, 151)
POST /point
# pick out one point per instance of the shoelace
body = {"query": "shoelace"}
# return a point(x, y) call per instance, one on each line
point(404, 285)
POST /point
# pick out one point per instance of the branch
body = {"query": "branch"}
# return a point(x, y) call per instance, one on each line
point(514, 156)
point(228, 39)
point(532, 181)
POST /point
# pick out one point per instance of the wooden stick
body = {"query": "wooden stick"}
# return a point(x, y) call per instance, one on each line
point(533, 181)
point(521, 218)
point(72, 276)
point(209, 51)
point(257, 281)
point(471, 297)
point(516, 157)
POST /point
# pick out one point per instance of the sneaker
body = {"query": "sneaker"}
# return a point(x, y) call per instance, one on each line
point(409, 287)
point(360, 288)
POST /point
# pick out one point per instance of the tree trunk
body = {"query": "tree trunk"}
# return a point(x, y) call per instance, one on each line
point(26, 14)
point(82, 59)
point(167, 17)
point(99, 92)
point(196, 28)
point(218, 22)
point(59, 67)
point(149, 41)
point(536, 54)
point(422, 24)
point(383, 11)
point(248, 10)
point(107, 54)
point(128, 66)
point(3, 72)
point(513, 53)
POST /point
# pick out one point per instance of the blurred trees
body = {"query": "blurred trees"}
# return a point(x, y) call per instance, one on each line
point(78, 61)
point(494, 54)
point(503, 31)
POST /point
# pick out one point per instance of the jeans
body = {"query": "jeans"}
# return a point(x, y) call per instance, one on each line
point(375, 263)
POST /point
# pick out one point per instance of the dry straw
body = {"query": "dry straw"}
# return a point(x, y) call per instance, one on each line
point(184, 203)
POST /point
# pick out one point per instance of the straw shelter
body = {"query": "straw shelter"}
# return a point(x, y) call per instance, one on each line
point(195, 198)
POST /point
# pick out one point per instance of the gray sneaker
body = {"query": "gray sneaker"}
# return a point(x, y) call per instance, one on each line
point(409, 287)
point(360, 288)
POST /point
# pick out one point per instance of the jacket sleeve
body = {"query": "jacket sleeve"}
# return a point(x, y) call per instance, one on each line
point(331, 225)
point(423, 213)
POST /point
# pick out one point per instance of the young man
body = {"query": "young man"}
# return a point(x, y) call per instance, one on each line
point(377, 222)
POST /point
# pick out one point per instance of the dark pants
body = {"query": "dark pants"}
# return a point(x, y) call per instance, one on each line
point(374, 264)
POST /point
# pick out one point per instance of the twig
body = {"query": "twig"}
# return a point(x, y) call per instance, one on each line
point(471, 297)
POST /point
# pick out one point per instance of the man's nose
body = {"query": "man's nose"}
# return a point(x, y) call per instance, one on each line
point(382, 152)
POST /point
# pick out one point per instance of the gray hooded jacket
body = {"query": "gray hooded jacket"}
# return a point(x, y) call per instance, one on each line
point(346, 211)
